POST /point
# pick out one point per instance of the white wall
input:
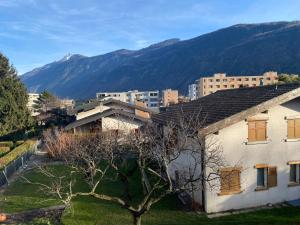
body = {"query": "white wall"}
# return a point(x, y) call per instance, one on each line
point(97, 109)
point(119, 123)
point(277, 152)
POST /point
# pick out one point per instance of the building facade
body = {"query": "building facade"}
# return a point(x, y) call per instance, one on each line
point(258, 131)
point(169, 97)
point(151, 98)
point(193, 90)
point(32, 99)
point(219, 81)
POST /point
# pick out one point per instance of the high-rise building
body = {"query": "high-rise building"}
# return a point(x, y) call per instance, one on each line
point(169, 97)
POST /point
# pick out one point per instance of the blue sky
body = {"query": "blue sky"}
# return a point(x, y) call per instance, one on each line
point(36, 32)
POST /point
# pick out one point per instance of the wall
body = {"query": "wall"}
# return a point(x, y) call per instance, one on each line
point(120, 123)
point(97, 109)
point(276, 152)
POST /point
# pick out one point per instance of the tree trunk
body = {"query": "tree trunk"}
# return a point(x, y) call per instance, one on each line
point(137, 220)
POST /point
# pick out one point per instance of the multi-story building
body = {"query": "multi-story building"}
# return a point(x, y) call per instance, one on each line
point(193, 91)
point(209, 85)
point(169, 97)
point(258, 132)
point(32, 98)
point(67, 103)
point(151, 98)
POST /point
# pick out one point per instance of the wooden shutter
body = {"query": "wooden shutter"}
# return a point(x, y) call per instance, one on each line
point(251, 131)
point(230, 180)
point(272, 176)
point(261, 134)
point(297, 128)
point(291, 129)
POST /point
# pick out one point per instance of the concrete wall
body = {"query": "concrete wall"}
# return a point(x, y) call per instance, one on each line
point(277, 151)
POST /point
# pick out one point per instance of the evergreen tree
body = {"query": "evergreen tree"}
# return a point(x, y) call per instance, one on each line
point(14, 115)
point(46, 102)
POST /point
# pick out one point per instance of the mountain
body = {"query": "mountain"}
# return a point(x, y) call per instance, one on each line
point(243, 49)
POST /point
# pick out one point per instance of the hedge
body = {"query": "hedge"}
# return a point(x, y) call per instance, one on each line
point(19, 143)
point(9, 144)
point(16, 152)
point(4, 150)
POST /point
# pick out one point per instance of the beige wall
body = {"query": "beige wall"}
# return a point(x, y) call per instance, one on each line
point(209, 85)
point(169, 97)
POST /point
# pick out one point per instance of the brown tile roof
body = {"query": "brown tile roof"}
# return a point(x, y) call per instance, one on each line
point(233, 104)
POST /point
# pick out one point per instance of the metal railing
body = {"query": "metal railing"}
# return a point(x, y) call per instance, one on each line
point(13, 166)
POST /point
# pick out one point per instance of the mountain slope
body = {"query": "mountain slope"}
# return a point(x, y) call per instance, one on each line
point(248, 49)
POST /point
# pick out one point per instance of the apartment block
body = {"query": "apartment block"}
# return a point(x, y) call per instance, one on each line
point(193, 91)
point(32, 98)
point(169, 97)
point(219, 81)
point(150, 98)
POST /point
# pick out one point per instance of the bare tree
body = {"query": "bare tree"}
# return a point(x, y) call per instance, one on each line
point(154, 152)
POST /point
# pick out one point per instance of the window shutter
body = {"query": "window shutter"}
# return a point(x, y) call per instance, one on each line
point(251, 131)
point(297, 128)
point(261, 134)
point(272, 177)
point(230, 180)
point(291, 129)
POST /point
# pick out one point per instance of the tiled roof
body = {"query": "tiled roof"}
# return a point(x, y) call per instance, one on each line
point(96, 103)
point(106, 113)
point(224, 104)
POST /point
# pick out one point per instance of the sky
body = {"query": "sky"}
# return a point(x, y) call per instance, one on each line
point(37, 32)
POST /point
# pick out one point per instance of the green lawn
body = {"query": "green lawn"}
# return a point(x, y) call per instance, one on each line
point(85, 210)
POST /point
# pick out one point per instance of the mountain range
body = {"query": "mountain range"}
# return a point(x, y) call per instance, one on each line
point(243, 49)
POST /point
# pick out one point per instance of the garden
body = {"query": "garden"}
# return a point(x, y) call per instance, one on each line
point(21, 196)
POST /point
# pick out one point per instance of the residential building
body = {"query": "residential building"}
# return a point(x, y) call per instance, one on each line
point(169, 97)
point(32, 98)
point(151, 98)
point(258, 130)
point(219, 81)
point(193, 91)
point(107, 115)
point(67, 103)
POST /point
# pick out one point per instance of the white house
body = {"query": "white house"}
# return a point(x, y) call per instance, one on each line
point(258, 130)
point(109, 114)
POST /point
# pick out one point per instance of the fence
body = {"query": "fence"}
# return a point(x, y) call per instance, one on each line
point(13, 166)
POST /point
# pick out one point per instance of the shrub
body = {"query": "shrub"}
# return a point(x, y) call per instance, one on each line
point(16, 152)
point(9, 144)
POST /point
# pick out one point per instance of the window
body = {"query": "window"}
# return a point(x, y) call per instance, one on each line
point(257, 130)
point(224, 80)
point(266, 176)
point(239, 79)
point(217, 80)
point(230, 181)
point(254, 79)
point(225, 86)
point(246, 79)
point(293, 129)
point(218, 86)
point(294, 173)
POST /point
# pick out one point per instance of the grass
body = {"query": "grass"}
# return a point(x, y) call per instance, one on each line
point(86, 210)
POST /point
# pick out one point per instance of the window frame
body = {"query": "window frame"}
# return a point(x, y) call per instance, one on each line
point(255, 121)
point(267, 177)
point(297, 178)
